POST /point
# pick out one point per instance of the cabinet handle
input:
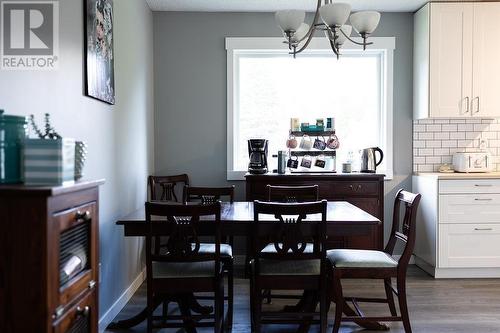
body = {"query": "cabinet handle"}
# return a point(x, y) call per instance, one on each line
point(83, 312)
point(483, 229)
point(477, 109)
point(351, 187)
point(467, 104)
point(83, 216)
point(486, 199)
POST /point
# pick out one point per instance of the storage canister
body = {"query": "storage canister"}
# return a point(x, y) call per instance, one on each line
point(12, 135)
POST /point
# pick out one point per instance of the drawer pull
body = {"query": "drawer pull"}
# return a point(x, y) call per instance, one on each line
point(486, 199)
point(483, 229)
point(85, 216)
point(483, 185)
point(83, 312)
point(92, 284)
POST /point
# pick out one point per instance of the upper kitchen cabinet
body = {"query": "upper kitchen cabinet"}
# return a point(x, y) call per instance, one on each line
point(456, 67)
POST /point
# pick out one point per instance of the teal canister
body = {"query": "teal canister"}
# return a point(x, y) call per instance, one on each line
point(12, 135)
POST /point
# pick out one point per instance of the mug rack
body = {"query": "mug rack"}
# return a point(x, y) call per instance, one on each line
point(332, 153)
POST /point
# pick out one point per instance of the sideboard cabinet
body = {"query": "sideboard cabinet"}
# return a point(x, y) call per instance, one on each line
point(49, 262)
point(365, 191)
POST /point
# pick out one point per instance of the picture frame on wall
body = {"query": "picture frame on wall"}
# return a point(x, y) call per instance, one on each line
point(99, 50)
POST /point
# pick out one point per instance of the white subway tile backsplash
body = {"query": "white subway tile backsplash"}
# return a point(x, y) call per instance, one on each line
point(433, 128)
point(442, 136)
point(436, 140)
point(433, 144)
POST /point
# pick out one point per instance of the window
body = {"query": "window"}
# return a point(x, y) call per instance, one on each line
point(267, 87)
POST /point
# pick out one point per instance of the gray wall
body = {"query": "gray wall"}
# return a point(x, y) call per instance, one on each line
point(119, 137)
point(190, 93)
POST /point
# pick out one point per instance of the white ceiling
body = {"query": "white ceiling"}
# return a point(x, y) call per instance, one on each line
point(273, 5)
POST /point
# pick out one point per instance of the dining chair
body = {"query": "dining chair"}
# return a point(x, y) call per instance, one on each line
point(308, 193)
point(181, 269)
point(282, 262)
point(370, 264)
point(208, 195)
point(166, 185)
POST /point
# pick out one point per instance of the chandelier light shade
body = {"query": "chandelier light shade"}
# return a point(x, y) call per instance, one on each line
point(330, 18)
point(335, 14)
point(365, 22)
point(290, 20)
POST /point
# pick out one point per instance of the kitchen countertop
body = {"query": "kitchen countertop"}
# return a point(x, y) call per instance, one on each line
point(458, 175)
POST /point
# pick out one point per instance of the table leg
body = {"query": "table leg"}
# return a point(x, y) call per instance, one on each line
point(133, 321)
point(373, 326)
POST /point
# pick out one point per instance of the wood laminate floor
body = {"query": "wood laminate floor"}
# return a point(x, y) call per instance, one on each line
point(441, 306)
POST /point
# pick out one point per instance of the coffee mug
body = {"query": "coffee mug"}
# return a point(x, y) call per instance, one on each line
point(319, 144)
point(333, 142)
point(306, 162)
point(306, 142)
point(293, 163)
point(291, 142)
point(320, 161)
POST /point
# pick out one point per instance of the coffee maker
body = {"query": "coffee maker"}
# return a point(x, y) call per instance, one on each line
point(257, 151)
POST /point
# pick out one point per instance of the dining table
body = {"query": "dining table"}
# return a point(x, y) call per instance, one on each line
point(237, 219)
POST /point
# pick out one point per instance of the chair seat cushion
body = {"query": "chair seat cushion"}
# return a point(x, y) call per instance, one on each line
point(271, 249)
point(360, 259)
point(225, 249)
point(164, 270)
point(290, 267)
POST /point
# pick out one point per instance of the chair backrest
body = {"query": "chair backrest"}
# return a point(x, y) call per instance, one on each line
point(406, 205)
point(207, 195)
point(308, 193)
point(181, 223)
point(166, 184)
point(289, 234)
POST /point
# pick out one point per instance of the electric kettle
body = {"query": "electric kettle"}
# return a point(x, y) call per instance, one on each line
point(369, 161)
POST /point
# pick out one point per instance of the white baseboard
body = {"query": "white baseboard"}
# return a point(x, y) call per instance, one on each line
point(120, 303)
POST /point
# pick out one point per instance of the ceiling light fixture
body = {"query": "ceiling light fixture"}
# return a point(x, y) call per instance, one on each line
point(331, 18)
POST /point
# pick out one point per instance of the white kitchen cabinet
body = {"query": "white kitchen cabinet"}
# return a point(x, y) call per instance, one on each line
point(456, 66)
point(458, 225)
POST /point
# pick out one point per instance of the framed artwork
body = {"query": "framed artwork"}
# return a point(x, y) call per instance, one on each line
point(99, 52)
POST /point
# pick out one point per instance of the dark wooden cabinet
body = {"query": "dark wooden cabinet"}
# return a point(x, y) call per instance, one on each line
point(365, 191)
point(49, 262)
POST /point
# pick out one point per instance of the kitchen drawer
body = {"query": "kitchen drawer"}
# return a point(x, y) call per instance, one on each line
point(354, 188)
point(469, 186)
point(469, 245)
point(469, 208)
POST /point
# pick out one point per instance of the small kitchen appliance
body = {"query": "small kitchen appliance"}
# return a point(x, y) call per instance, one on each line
point(257, 151)
point(369, 161)
point(472, 162)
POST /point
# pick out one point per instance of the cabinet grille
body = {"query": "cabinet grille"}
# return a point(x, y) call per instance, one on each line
point(74, 252)
point(81, 325)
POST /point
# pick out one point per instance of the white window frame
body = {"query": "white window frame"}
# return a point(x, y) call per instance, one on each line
point(381, 45)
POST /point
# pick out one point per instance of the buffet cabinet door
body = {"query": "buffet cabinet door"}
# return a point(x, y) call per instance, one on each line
point(80, 318)
point(73, 255)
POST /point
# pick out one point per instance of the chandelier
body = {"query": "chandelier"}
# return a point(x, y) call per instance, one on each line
point(333, 17)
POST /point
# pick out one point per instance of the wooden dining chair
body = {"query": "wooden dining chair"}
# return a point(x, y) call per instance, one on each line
point(369, 264)
point(180, 270)
point(308, 193)
point(208, 195)
point(166, 186)
point(282, 262)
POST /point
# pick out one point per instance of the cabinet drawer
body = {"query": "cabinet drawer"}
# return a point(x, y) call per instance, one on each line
point(469, 245)
point(354, 188)
point(469, 186)
point(470, 208)
point(80, 318)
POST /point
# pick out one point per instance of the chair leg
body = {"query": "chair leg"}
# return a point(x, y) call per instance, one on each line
point(403, 306)
point(150, 307)
point(230, 296)
point(390, 296)
point(323, 310)
point(339, 301)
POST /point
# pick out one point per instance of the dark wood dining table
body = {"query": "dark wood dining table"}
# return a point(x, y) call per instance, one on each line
point(343, 219)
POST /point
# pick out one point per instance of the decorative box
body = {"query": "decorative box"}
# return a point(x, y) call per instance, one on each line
point(12, 134)
point(49, 162)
